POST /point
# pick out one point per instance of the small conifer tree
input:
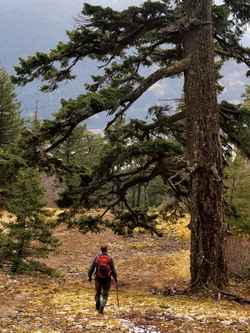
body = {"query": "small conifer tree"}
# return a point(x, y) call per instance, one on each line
point(11, 127)
point(29, 233)
point(11, 122)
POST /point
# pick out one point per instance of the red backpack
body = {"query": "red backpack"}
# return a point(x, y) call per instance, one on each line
point(103, 266)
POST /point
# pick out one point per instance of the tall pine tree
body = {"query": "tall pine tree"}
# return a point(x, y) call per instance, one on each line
point(173, 38)
point(11, 126)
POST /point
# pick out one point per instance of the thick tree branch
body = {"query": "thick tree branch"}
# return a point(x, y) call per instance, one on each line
point(233, 53)
point(160, 74)
point(163, 120)
point(118, 115)
point(65, 136)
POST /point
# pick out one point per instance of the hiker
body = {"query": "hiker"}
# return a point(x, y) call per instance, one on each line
point(103, 266)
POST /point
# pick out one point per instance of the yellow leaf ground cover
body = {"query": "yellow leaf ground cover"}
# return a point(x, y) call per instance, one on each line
point(30, 305)
point(147, 267)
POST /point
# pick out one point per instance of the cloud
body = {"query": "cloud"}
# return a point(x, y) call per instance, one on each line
point(233, 74)
point(96, 116)
point(234, 101)
point(236, 83)
point(158, 89)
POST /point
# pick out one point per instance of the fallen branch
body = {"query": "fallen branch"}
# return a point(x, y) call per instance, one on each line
point(231, 297)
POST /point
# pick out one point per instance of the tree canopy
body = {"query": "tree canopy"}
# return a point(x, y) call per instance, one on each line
point(125, 44)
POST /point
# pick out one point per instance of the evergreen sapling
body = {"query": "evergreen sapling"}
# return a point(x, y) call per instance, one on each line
point(28, 235)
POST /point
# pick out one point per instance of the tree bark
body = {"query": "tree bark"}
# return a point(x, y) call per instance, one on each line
point(208, 267)
point(138, 204)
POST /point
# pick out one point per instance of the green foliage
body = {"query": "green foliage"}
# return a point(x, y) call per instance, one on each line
point(156, 192)
point(74, 182)
point(135, 153)
point(237, 171)
point(246, 96)
point(152, 194)
point(81, 152)
point(29, 233)
point(123, 167)
point(240, 10)
point(237, 194)
point(125, 223)
point(11, 127)
point(10, 162)
point(234, 121)
point(11, 123)
point(172, 211)
point(80, 148)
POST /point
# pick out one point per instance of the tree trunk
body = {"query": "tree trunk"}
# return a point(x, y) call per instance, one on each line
point(208, 268)
point(133, 197)
point(138, 204)
point(145, 195)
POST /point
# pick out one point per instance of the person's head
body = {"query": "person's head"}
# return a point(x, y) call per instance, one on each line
point(104, 248)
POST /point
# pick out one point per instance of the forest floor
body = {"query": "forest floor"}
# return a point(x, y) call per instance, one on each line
point(148, 267)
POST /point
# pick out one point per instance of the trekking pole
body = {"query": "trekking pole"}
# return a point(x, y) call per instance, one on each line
point(117, 295)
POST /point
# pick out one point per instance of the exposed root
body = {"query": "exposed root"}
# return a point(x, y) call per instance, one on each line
point(231, 297)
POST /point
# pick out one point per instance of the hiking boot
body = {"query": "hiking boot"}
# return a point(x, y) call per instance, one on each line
point(102, 305)
point(97, 305)
point(101, 309)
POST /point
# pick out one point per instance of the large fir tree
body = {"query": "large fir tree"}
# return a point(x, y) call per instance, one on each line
point(176, 38)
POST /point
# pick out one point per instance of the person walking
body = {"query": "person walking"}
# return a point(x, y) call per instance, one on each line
point(103, 268)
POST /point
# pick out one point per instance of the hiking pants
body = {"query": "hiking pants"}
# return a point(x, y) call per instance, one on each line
point(102, 287)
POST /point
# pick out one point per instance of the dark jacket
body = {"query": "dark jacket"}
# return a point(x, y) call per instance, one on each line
point(92, 268)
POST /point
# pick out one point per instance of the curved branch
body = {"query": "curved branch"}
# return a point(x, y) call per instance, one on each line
point(161, 121)
point(65, 136)
point(141, 224)
point(119, 114)
point(160, 74)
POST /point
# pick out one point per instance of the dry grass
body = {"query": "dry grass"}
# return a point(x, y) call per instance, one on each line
point(145, 263)
point(238, 256)
point(35, 305)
